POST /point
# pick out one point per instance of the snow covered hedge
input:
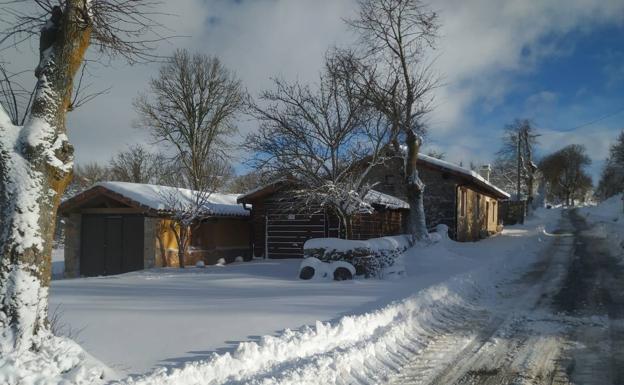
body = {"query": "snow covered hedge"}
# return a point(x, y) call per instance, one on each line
point(374, 258)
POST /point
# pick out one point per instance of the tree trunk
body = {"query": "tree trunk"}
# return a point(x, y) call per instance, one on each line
point(416, 221)
point(181, 240)
point(35, 168)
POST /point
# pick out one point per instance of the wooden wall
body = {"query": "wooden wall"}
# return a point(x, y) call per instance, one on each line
point(377, 224)
point(216, 238)
point(291, 224)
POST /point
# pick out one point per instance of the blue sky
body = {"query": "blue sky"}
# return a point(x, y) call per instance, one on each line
point(578, 89)
point(560, 63)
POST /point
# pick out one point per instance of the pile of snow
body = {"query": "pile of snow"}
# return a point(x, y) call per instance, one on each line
point(58, 361)
point(160, 197)
point(332, 353)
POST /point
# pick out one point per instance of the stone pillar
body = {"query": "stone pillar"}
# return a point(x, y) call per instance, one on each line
point(149, 242)
point(73, 231)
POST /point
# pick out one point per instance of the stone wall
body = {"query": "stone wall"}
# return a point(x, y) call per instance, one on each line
point(440, 187)
point(150, 244)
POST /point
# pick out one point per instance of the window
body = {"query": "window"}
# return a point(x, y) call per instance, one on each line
point(487, 211)
point(493, 211)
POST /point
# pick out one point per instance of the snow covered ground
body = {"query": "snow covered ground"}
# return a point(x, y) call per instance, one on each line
point(58, 263)
point(227, 323)
point(608, 217)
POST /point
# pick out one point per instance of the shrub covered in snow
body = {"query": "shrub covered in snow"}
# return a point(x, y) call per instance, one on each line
point(370, 258)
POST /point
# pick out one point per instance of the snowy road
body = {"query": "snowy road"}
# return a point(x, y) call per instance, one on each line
point(560, 322)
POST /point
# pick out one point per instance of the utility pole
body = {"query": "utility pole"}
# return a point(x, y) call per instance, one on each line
point(519, 160)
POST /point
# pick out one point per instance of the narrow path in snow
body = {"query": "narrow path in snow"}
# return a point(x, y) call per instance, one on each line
point(559, 323)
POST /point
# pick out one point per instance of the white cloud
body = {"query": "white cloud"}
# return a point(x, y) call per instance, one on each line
point(484, 45)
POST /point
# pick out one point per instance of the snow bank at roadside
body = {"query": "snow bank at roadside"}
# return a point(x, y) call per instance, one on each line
point(608, 220)
point(328, 353)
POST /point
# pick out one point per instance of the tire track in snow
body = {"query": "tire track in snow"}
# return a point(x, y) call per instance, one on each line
point(511, 346)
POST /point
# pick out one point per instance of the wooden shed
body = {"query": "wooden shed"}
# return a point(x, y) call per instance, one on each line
point(117, 227)
point(279, 231)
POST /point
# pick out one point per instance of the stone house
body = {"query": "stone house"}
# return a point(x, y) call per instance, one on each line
point(459, 198)
point(117, 227)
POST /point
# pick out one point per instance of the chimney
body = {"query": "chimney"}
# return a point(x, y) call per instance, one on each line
point(485, 171)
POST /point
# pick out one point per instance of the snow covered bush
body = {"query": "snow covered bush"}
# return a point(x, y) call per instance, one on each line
point(370, 258)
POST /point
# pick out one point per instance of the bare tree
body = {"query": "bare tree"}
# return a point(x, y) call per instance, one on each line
point(504, 173)
point(243, 183)
point(85, 176)
point(516, 155)
point(564, 174)
point(612, 176)
point(36, 158)
point(187, 208)
point(395, 35)
point(192, 107)
point(436, 154)
point(324, 137)
point(137, 165)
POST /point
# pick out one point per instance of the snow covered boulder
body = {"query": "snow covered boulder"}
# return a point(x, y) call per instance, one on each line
point(342, 271)
point(369, 258)
point(314, 269)
point(441, 234)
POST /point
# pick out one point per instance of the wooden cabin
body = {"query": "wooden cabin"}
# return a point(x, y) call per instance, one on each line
point(280, 226)
point(117, 227)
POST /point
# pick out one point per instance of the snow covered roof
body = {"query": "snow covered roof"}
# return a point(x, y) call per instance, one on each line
point(374, 197)
point(460, 170)
point(160, 198)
